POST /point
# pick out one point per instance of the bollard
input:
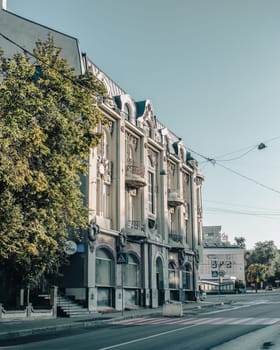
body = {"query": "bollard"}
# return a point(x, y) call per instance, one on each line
point(29, 310)
point(172, 309)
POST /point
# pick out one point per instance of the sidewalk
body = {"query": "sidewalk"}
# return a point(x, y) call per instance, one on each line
point(21, 328)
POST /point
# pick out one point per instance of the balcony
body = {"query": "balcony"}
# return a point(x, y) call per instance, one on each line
point(135, 176)
point(175, 237)
point(135, 228)
point(174, 199)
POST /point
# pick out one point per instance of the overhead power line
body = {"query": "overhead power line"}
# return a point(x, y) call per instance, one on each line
point(213, 161)
point(237, 209)
point(244, 212)
point(51, 67)
point(238, 157)
point(242, 206)
point(249, 178)
point(247, 150)
point(217, 210)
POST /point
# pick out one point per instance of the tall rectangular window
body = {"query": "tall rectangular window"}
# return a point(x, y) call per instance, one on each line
point(107, 201)
point(151, 192)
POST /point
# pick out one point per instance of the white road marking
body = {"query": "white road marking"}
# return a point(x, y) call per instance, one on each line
point(248, 321)
point(187, 323)
point(145, 338)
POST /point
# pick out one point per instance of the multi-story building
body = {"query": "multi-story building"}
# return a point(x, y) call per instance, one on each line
point(144, 197)
point(223, 265)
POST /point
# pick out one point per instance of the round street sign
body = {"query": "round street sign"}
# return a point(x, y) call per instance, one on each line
point(70, 247)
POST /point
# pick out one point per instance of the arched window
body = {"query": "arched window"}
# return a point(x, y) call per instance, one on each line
point(173, 276)
point(159, 273)
point(126, 111)
point(187, 277)
point(148, 129)
point(132, 273)
point(105, 268)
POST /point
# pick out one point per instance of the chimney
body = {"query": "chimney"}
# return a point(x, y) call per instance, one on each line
point(3, 4)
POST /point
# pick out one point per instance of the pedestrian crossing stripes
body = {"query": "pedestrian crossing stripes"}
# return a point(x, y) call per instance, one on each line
point(250, 321)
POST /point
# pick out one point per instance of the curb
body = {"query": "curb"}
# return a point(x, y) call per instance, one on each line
point(12, 335)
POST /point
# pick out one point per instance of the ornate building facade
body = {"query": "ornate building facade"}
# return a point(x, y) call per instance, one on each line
point(144, 197)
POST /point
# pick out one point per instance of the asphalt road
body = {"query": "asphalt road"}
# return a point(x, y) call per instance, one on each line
point(200, 330)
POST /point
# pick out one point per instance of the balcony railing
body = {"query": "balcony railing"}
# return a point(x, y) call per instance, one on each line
point(174, 199)
point(135, 170)
point(135, 228)
point(175, 237)
point(133, 224)
point(135, 176)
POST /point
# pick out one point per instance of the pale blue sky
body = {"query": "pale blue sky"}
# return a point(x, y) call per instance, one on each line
point(212, 71)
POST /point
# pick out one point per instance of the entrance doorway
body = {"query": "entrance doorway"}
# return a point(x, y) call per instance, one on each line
point(159, 281)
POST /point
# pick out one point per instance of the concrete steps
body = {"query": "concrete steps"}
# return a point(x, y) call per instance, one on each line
point(68, 307)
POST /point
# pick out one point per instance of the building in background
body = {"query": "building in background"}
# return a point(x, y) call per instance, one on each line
point(143, 192)
point(222, 268)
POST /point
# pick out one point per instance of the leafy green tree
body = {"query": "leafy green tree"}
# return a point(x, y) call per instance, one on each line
point(256, 273)
point(48, 119)
point(240, 241)
point(265, 253)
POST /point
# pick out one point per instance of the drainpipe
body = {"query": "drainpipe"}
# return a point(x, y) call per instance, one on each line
point(193, 236)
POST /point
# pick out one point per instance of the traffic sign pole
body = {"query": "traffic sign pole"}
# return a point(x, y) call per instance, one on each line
point(122, 286)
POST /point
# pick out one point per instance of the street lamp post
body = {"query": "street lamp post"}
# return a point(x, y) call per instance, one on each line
point(220, 263)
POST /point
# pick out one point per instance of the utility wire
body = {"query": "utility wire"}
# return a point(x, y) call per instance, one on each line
point(246, 212)
point(247, 150)
point(211, 160)
point(242, 206)
point(249, 178)
point(214, 162)
point(215, 210)
point(55, 69)
point(237, 157)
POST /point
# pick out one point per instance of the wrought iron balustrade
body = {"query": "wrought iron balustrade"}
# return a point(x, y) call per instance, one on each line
point(175, 237)
point(133, 224)
point(135, 170)
point(135, 176)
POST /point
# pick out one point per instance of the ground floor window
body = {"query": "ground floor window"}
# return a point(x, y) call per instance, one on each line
point(105, 297)
point(105, 268)
point(187, 277)
point(131, 272)
point(105, 277)
point(173, 275)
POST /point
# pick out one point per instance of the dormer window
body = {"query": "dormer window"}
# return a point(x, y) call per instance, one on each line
point(148, 129)
point(126, 111)
point(182, 154)
point(167, 144)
